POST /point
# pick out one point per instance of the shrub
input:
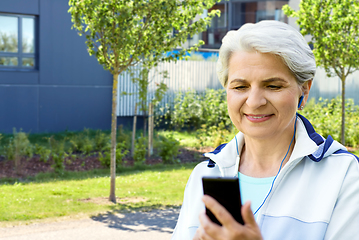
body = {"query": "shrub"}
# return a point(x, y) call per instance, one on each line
point(43, 152)
point(82, 143)
point(220, 135)
point(18, 147)
point(101, 140)
point(59, 158)
point(105, 156)
point(139, 154)
point(123, 136)
point(168, 148)
point(325, 115)
point(58, 154)
point(195, 109)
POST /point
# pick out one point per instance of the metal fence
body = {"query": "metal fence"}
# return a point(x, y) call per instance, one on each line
point(182, 76)
point(330, 87)
point(199, 75)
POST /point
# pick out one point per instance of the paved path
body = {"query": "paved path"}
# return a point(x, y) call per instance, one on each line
point(154, 225)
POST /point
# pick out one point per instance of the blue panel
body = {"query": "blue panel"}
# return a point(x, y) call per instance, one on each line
point(74, 108)
point(274, 228)
point(127, 122)
point(64, 59)
point(20, 6)
point(19, 77)
point(18, 108)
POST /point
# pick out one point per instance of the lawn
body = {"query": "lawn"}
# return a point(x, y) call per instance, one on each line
point(48, 195)
point(161, 186)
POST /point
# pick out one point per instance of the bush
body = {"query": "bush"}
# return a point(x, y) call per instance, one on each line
point(43, 152)
point(59, 158)
point(82, 143)
point(101, 140)
point(140, 150)
point(58, 155)
point(195, 109)
point(105, 156)
point(168, 148)
point(19, 146)
point(207, 114)
point(124, 136)
point(325, 115)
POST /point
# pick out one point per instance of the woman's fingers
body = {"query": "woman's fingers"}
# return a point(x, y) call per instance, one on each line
point(230, 228)
point(248, 217)
point(247, 214)
point(207, 228)
point(196, 235)
point(218, 210)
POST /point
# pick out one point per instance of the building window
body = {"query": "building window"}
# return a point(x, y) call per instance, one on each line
point(218, 28)
point(235, 13)
point(17, 41)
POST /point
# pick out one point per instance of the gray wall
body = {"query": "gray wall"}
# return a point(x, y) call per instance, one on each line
point(331, 87)
point(69, 90)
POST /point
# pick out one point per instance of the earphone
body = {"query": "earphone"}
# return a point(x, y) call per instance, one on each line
point(281, 164)
point(300, 100)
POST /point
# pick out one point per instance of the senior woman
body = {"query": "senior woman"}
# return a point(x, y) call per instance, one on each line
point(294, 183)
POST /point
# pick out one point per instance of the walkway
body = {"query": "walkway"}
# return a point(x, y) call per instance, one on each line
point(154, 225)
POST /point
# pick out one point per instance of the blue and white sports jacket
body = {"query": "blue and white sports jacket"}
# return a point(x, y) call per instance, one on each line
point(315, 196)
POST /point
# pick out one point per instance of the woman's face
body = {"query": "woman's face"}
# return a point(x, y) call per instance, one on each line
point(262, 95)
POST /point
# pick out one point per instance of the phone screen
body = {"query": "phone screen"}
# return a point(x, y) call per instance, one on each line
point(226, 191)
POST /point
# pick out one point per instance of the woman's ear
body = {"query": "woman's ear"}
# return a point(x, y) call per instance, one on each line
point(305, 89)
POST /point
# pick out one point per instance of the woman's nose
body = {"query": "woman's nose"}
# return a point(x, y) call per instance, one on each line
point(255, 98)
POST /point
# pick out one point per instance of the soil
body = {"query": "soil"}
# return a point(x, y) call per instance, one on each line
point(33, 166)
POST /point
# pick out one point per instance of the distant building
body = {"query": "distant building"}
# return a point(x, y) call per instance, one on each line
point(48, 81)
point(235, 13)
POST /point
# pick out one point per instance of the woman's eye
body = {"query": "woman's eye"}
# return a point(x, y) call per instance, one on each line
point(240, 87)
point(274, 87)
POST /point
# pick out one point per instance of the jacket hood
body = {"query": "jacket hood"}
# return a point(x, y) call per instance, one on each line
point(308, 143)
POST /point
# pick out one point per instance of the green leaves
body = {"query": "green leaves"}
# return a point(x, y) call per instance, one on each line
point(334, 28)
point(121, 33)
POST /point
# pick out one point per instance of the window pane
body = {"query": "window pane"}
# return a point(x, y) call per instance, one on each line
point(28, 62)
point(28, 27)
point(8, 34)
point(8, 61)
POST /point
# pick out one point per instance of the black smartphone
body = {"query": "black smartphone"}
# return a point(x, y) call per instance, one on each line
point(226, 191)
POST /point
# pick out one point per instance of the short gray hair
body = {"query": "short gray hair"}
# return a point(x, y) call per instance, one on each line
point(273, 37)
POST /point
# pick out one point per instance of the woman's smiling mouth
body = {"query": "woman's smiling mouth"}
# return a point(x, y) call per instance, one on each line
point(258, 117)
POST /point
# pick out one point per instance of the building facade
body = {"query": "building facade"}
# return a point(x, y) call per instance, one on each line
point(48, 82)
point(235, 13)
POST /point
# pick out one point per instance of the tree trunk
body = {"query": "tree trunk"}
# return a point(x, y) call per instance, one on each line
point(150, 130)
point(112, 197)
point(134, 132)
point(144, 124)
point(343, 110)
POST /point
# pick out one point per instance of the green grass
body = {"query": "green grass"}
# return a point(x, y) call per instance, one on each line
point(185, 138)
point(192, 140)
point(48, 195)
point(47, 198)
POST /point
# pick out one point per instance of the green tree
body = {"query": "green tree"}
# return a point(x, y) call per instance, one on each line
point(122, 33)
point(334, 29)
point(143, 81)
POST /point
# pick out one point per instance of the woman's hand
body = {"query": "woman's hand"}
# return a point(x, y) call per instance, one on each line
point(230, 229)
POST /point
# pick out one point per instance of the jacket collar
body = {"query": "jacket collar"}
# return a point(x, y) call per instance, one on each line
point(307, 143)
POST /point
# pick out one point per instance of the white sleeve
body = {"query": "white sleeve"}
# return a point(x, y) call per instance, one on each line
point(188, 220)
point(181, 230)
point(344, 223)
